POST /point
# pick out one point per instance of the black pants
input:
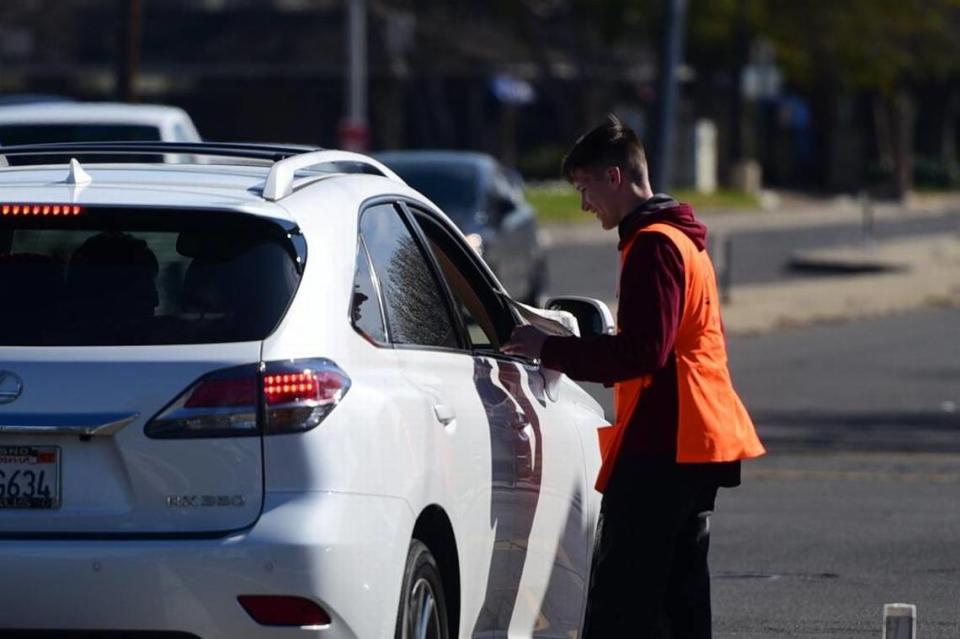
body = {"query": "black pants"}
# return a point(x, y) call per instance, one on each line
point(650, 577)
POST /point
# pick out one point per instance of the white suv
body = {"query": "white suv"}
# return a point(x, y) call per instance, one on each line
point(267, 401)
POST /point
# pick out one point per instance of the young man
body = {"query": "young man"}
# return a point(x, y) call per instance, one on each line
point(680, 429)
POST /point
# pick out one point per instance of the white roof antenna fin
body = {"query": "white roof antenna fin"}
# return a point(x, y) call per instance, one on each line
point(77, 175)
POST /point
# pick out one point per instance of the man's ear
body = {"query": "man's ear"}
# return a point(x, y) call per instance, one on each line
point(614, 175)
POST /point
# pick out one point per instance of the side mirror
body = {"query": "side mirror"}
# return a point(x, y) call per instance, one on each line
point(593, 316)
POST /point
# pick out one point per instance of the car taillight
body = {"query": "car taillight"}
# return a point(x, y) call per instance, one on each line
point(283, 397)
point(300, 393)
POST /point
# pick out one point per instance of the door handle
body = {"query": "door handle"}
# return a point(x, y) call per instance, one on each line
point(444, 413)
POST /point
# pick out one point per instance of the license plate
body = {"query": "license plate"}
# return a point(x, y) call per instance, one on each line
point(29, 477)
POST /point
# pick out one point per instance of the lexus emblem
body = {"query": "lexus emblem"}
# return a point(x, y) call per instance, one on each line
point(10, 386)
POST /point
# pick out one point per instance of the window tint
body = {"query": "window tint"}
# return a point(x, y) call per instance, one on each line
point(365, 311)
point(132, 277)
point(415, 309)
point(487, 320)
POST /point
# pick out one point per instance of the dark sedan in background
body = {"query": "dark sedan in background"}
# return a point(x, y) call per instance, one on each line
point(485, 200)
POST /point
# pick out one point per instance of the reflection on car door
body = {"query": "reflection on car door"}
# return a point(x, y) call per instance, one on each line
point(539, 587)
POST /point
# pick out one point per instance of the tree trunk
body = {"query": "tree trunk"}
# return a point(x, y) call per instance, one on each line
point(128, 63)
point(893, 127)
point(903, 111)
point(948, 131)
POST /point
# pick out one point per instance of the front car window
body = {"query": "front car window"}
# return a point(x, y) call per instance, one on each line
point(113, 276)
point(487, 319)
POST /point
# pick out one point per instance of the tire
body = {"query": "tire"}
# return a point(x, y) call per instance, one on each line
point(423, 608)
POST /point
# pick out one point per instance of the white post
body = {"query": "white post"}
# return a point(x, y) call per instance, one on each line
point(705, 156)
point(899, 621)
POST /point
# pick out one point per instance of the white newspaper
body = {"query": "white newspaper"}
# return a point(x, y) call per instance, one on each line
point(559, 323)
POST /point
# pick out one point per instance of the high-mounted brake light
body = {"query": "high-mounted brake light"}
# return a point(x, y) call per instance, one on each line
point(272, 398)
point(40, 210)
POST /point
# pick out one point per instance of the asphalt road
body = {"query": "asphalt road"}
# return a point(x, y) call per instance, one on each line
point(757, 256)
point(856, 504)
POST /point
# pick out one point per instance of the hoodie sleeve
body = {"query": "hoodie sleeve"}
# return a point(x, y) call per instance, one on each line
point(648, 317)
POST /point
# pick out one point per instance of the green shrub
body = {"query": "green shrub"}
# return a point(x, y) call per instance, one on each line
point(541, 163)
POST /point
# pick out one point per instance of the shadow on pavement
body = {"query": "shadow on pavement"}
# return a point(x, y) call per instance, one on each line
point(844, 431)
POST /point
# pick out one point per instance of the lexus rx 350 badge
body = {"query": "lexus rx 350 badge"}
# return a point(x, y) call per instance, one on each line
point(10, 386)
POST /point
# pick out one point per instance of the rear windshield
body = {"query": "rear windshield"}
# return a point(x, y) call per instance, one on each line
point(135, 277)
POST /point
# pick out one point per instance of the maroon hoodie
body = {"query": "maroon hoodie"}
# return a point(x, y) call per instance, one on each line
point(651, 292)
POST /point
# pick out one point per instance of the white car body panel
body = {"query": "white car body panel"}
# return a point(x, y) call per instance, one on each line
point(299, 545)
point(419, 430)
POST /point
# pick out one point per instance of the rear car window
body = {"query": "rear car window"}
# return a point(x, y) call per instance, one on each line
point(112, 276)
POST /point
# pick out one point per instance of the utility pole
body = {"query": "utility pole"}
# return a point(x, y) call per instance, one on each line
point(662, 168)
point(354, 130)
point(129, 47)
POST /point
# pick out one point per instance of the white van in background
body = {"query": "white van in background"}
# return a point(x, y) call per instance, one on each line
point(41, 122)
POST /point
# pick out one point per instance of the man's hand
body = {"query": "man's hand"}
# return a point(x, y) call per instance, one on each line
point(525, 341)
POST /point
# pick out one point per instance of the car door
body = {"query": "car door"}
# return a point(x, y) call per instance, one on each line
point(468, 470)
point(543, 590)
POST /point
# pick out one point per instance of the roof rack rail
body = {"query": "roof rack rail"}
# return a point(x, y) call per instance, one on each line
point(287, 158)
point(280, 179)
point(254, 151)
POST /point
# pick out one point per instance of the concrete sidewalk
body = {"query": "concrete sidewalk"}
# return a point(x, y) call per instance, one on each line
point(868, 280)
point(904, 275)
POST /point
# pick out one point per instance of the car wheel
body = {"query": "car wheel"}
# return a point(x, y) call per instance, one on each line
point(423, 608)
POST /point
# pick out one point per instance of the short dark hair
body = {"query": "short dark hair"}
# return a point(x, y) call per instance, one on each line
point(610, 144)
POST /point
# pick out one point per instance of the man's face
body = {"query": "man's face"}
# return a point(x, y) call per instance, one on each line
point(597, 189)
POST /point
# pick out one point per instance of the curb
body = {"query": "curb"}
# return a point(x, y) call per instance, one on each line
point(910, 274)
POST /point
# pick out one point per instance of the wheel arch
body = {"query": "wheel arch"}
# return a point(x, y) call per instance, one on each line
point(434, 529)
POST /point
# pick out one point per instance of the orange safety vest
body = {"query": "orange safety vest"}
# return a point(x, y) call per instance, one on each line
point(713, 425)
